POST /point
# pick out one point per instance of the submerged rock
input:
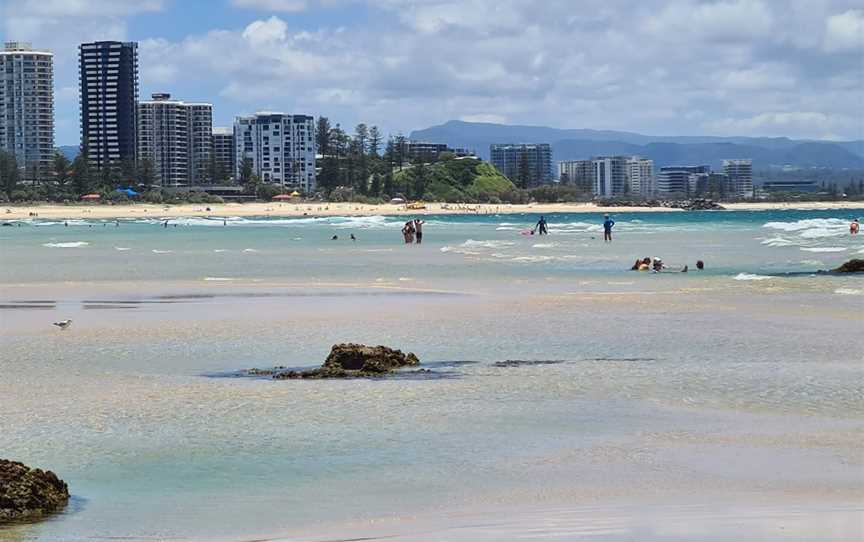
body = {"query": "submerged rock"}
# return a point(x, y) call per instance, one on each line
point(355, 361)
point(852, 266)
point(28, 494)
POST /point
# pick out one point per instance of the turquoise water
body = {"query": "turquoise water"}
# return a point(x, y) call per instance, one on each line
point(559, 378)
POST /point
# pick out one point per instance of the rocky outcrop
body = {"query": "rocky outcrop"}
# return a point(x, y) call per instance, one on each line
point(350, 361)
point(852, 266)
point(28, 494)
point(698, 204)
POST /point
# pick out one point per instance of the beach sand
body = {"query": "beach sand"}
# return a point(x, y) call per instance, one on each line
point(319, 209)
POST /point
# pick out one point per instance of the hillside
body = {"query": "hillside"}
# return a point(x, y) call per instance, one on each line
point(572, 144)
point(454, 180)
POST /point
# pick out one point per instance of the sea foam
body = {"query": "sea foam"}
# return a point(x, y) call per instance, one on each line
point(71, 244)
point(750, 276)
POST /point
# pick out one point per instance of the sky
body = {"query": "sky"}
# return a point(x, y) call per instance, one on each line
point(790, 68)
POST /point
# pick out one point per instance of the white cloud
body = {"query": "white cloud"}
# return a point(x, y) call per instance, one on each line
point(685, 66)
point(266, 32)
point(845, 32)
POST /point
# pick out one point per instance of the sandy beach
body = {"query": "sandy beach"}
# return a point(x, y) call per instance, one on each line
point(319, 209)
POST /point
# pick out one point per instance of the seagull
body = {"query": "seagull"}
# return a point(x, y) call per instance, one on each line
point(64, 324)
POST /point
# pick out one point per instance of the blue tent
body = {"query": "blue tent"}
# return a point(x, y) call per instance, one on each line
point(129, 192)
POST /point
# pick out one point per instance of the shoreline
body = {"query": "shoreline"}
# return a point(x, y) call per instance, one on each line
point(323, 210)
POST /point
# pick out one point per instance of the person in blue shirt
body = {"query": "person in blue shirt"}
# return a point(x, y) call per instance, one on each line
point(607, 229)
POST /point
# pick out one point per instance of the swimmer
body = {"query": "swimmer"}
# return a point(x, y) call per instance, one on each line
point(353, 238)
point(334, 238)
point(700, 265)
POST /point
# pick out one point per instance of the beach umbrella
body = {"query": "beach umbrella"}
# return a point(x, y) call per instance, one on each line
point(91, 197)
point(397, 200)
point(282, 197)
point(295, 193)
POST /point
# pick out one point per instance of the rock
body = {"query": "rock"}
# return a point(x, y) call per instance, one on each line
point(698, 204)
point(28, 494)
point(852, 266)
point(356, 361)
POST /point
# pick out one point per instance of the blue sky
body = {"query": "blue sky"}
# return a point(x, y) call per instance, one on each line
point(721, 67)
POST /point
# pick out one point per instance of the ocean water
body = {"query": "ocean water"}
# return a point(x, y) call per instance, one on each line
point(562, 385)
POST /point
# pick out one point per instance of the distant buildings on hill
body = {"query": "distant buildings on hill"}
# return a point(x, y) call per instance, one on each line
point(618, 176)
point(425, 150)
point(526, 164)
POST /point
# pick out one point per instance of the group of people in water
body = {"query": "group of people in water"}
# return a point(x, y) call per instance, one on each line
point(656, 265)
point(412, 231)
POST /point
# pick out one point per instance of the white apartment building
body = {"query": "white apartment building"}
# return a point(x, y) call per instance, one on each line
point(640, 176)
point(740, 177)
point(610, 176)
point(27, 107)
point(177, 138)
point(281, 148)
point(109, 98)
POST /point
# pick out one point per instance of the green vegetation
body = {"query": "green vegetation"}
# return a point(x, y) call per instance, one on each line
point(453, 180)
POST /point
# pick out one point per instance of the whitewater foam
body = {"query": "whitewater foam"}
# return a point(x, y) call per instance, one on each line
point(122, 249)
point(848, 291)
point(823, 249)
point(157, 251)
point(71, 244)
point(750, 276)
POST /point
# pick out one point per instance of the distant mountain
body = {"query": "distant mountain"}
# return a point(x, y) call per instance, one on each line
point(69, 151)
point(572, 144)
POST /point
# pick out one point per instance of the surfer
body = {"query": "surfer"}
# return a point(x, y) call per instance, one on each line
point(541, 226)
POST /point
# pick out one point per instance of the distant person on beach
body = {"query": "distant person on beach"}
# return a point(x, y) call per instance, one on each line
point(418, 230)
point(854, 227)
point(408, 232)
point(541, 226)
point(607, 229)
point(700, 265)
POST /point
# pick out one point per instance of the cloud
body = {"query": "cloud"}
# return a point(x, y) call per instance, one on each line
point(751, 67)
point(81, 8)
point(804, 124)
point(266, 32)
point(272, 5)
point(845, 32)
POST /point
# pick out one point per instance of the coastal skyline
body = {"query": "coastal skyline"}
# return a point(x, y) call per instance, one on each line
point(744, 68)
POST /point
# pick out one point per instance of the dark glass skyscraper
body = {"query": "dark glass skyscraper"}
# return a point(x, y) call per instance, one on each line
point(109, 97)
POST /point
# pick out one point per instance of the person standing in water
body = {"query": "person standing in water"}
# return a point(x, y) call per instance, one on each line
point(607, 228)
point(541, 226)
point(854, 227)
point(408, 232)
point(418, 230)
